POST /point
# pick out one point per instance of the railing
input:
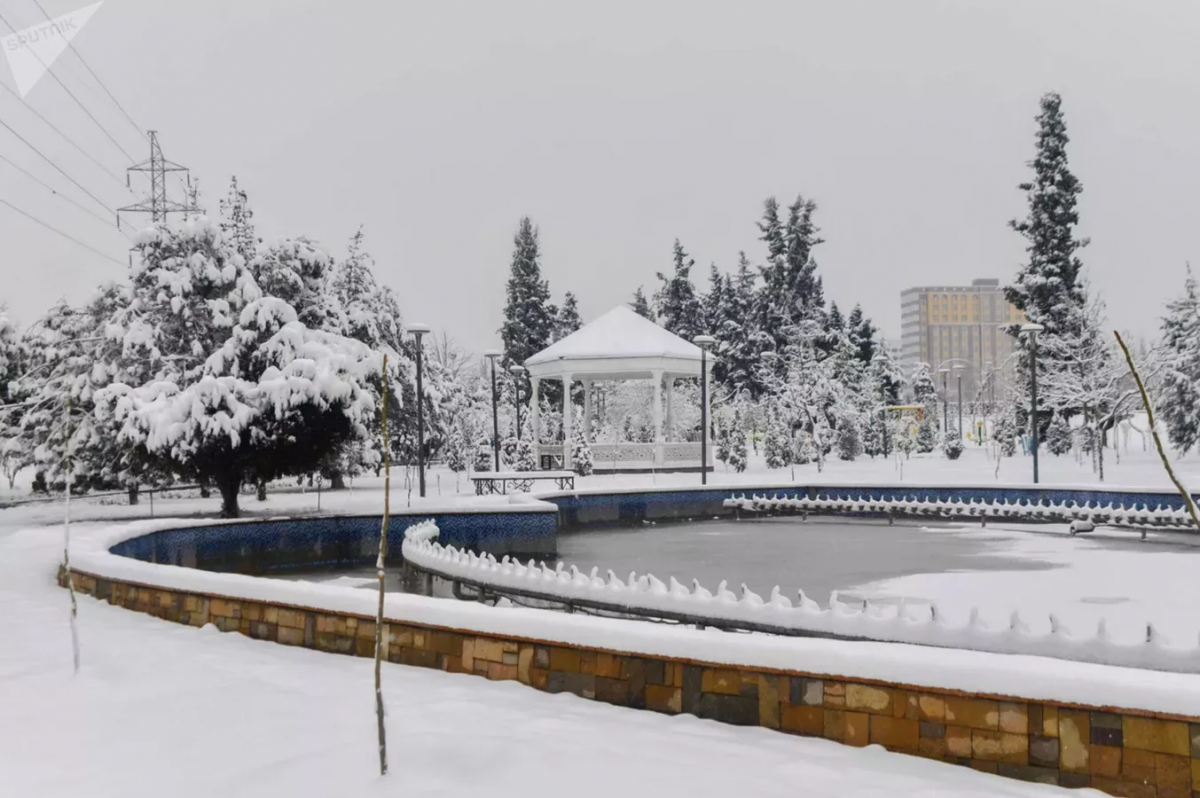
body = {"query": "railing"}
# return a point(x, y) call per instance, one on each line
point(646, 597)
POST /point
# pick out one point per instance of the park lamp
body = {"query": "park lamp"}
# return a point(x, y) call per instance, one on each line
point(492, 355)
point(704, 342)
point(416, 330)
point(1033, 329)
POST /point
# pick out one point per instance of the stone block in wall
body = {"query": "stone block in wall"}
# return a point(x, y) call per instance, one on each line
point(541, 657)
point(802, 719)
point(587, 662)
point(998, 746)
point(422, 658)
point(1014, 717)
point(1173, 774)
point(1043, 751)
point(1106, 729)
point(450, 663)
point(339, 644)
point(958, 741)
point(835, 695)
point(809, 692)
point(539, 678)
point(858, 728)
point(1104, 760)
point(931, 748)
point(580, 684)
point(1137, 766)
point(834, 727)
point(732, 709)
point(985, 766)
point(524, 664)
point(693, 682)
point(291, 636)
point(293, 619)
point(1039, 775)
point(1074, 780)
point(1127, 790)
point(864, 698)
point(499, 672)
point(896, 734)
point(564, 659)
point(612, 691)
point(608, 666)
point(661, 698)
point(1074, 736)
point(1159, 736)
point(768, 701)
point(975, 713)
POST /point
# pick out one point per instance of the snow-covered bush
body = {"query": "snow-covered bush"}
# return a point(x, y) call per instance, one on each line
point(508, 452)
point(1058, 436)
point(581, 456)
point(952, 447)
point(777, 448)
point(484, 458)
point(524, 458)
point(1004, 430)
point(927, 436)
point(456, 450)
point(849, 440)
point(803, 450)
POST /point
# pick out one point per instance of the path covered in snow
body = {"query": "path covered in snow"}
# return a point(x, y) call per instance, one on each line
point(161, 709)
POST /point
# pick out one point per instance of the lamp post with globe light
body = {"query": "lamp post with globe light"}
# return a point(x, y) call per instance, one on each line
point(492, 355)
point(417, 331)
point(1032, 330)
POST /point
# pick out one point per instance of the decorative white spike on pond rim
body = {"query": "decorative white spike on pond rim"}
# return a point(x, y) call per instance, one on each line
point(1016, 624)
point(1155, 637)
point(750, 598)
point(933, 613)
point(677, 590)
point(973, 622)
point(1102, 631)
point(779, 600)
point(724, 594)
point(699, 591)
point(1057, 628)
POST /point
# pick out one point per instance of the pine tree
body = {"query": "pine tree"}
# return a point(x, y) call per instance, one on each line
point(736, 455)
point(1058, 436)
point(1048, 288)
point(741, 353)
point(529, 316)
point(777, 443)
point(581, 455)
point(568, 320)
point(862, 332)
point(849, 440)
point(675, 302)
point(791, 292)
point(1179, 395)
point(237, 221)
point(927, 433)
point(640, 305)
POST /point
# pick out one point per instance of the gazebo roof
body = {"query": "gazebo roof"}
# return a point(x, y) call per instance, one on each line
point(621, 344)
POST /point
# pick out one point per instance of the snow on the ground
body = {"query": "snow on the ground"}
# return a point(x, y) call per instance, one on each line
point(164, 709)
point(1109, 574)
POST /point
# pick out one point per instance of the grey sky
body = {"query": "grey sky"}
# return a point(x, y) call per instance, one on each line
point(620, 125)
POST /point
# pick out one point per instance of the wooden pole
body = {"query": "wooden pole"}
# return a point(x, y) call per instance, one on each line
point(67, 543)
point(379, 568)
point(1187, 497)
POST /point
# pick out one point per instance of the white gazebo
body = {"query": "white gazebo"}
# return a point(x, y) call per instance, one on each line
point(620, 345)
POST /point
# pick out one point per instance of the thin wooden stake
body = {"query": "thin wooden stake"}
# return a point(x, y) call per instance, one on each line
point(379, 568)
point(1187, 497)
point(67, 544)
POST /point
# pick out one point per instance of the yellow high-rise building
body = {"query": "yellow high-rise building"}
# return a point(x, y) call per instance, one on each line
point(948, 325)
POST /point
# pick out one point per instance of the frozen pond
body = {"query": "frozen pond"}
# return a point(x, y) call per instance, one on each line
point(818, 555)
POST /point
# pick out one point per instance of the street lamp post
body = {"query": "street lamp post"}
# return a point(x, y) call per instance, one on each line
point(945, 372)
point(491, 355)
point(958, 375)
point(1032, 331)
point(416, 331)
point(517, 371)
point(883, 431)
point(704, 342)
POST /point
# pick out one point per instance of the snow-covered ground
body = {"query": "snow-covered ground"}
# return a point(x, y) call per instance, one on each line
point(162, 709)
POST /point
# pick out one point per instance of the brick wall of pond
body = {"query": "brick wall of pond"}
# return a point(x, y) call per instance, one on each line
point(1122, 753)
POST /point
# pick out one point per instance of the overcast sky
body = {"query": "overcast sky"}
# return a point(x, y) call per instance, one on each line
point(619, 126)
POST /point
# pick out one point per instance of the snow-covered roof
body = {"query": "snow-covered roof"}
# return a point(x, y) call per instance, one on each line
point(618, 344)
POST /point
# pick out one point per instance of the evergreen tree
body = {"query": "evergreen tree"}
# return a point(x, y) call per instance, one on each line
point(735, 442)
point(237, 221)
point(862, 332)
point(952, 447)
point(741, 353)
point(716, 303)
point(1179, 395)
point(581, 455)
point(568, 320)
point(676, 302)
point(791, 292)
point(640, 305)
point(1058, 436)
point(835, 322)
point(927, 433)
point(1048, 288)
point(529, 316)
point(923, 387)
point(849, 440)
point(777, 444)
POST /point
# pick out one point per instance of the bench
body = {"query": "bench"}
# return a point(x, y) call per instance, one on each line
point(504, 481)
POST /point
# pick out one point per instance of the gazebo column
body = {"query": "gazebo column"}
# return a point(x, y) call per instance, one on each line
point(568, 438)
point(670, 408)
point(587, 410)
point(534, 417)
point(658, 425)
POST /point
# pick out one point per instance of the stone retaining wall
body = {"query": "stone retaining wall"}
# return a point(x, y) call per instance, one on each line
point(1120, 752)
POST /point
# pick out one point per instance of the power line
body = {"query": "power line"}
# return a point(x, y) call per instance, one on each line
point(79, 185)
point(53, 190)
point(71, 94)
point(92, 72)
point(65, 137)
point(51, 227)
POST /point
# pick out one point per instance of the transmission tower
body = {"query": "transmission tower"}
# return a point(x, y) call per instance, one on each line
point(158, 204)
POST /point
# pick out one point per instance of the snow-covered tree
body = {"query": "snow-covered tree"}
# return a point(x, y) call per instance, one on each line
point(1179, 395)
point(927, 434)
point(568, 320)
point(581, 455)
point(241, 390)
point(676, 304)
point(740, 341)
point(529, 316)
point(12, 454)
point(484, 458)
point(952, 446)
point(777, 442)
point(1058, 436)
point(640, 305)
point(849, 440)
point(1048, 287)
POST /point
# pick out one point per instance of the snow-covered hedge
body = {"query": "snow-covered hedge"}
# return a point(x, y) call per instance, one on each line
point(895, 624)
